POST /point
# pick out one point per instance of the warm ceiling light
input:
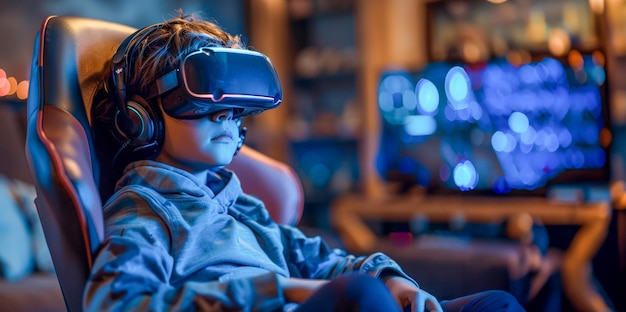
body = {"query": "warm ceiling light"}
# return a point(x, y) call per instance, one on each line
point(497, 1)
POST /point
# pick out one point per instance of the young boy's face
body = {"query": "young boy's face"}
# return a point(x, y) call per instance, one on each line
point(199, 144)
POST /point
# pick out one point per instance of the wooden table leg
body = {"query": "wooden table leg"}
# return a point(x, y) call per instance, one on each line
point(576, 267)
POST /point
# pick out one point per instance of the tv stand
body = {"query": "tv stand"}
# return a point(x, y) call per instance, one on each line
point(349, 213)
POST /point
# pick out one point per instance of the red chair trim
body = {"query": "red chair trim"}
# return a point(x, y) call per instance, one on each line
point(54, 156)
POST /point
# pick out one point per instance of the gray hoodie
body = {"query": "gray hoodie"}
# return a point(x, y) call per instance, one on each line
point(172, 243)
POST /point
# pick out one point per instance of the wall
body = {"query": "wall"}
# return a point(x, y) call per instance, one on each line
point(20, 20)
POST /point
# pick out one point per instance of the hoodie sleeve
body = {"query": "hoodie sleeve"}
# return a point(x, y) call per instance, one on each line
point(310, 257)
point(133, 267)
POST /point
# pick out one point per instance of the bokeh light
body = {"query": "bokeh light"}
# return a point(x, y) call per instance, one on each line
point(427, 96)
point(12, 85)
point(465, 175)
point(9, 86)
point(22, 90)
point(420, 125)
point(457, 87)
point(5, 86)
point(518, 122)
point(559, 42)
point(396, 98)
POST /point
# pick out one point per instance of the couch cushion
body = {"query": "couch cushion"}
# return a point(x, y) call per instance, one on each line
point(37, 293)
point(25, 194)
point(16, 255)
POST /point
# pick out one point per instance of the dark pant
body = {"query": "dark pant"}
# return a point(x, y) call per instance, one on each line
point(364, 293)
point(491, 300)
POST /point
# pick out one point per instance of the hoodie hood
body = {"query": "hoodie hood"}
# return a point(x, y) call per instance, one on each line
point(171, 181)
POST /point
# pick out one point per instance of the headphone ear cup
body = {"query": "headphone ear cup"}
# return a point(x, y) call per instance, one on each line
point(142, 123)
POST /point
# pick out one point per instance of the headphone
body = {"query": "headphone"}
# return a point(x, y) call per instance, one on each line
point(138, 123)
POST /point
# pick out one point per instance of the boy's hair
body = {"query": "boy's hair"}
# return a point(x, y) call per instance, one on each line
point(166, 44)
point(159, 49)
point(158, 52)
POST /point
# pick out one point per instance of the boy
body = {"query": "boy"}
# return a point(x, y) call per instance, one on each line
point(179, 232)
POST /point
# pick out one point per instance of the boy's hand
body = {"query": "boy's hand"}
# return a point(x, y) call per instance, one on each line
point(408, 295)
point(299, 289)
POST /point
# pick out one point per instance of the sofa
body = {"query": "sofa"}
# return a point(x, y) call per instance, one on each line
point(27, 279)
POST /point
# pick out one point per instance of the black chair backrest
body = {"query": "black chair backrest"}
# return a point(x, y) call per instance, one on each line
point(69, 55)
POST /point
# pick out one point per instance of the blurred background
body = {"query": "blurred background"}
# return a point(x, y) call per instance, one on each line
point(447, 96)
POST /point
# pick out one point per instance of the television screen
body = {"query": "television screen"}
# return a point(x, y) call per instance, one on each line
point(497, 127)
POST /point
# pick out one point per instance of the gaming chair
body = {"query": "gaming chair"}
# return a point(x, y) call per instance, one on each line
point(69, 54)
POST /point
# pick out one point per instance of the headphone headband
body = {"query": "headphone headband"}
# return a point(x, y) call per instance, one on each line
point(119, 70)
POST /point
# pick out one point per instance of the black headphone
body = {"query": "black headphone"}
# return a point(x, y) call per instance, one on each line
point(138, 125)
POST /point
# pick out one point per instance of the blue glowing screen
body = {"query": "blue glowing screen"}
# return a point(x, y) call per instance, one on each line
point(496, 127)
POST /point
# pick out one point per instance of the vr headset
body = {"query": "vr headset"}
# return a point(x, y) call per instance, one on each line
point(213, 79)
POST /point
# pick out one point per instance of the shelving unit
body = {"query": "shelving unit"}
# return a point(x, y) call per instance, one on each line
point(323, 119)
point(323, 54)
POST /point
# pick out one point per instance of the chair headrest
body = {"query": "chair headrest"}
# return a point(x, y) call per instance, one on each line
point(79, 50)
